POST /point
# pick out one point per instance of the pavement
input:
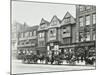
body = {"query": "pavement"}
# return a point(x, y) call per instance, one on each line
point(18, 67)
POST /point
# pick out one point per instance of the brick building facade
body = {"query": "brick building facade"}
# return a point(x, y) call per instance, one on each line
point(86, 29)
point(27, 41)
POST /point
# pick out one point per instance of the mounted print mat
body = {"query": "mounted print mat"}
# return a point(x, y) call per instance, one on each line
point(52, 37)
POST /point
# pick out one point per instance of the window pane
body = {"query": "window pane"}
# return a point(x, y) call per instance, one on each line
point(81, 8)
point(34, 33)
point(81, 21)
point(52, 32)
point(76, 38)
point(88, 7)
point(30, 33)
point(94, 35)
point(26, 34)
point(66, 40)
point(81, 37)
point(94, 18)
point(41, 35)
point(66, 20)
point(88, 36)
point(88, 20)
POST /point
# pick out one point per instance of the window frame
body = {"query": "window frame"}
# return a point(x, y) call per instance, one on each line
point(81, 8)
point(87, 20)
point(94, 32)
point(87, 36)
point(81, 21)
point(94, 18)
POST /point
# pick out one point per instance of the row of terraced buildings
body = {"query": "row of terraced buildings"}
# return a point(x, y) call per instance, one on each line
point(77, 35)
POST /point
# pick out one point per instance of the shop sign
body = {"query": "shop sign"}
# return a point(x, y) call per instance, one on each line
point(86, 44)
point(67, 46)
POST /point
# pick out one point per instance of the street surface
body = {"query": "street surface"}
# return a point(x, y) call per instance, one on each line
point(19, 67)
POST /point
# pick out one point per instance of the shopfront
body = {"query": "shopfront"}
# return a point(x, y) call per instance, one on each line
point(53, 48)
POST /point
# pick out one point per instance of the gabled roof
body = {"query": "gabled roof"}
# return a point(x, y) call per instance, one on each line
point(44, 21)
point(68, 15)
point(55, 18)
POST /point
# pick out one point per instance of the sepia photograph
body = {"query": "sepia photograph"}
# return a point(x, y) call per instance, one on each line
point(52, 37)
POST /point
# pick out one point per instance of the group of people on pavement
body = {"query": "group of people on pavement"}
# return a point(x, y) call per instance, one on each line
point(70, 58)
point(57, 59)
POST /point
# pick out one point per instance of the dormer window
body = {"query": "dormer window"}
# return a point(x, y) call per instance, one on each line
point(67, 19)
